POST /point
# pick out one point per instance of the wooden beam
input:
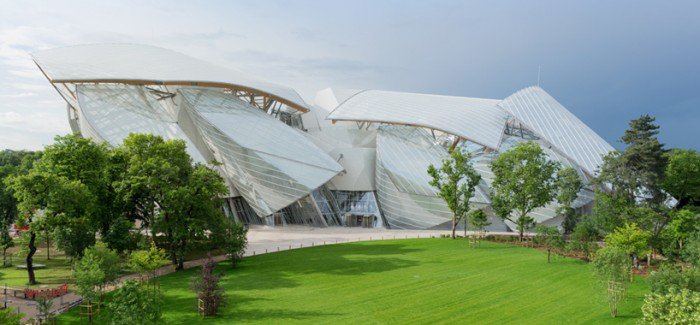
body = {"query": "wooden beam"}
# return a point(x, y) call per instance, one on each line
point(209, 84)
point(454, 144)
point(70, 91)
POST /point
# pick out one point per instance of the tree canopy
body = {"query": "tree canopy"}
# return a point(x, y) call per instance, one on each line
point(455, 182)
point(524, 181)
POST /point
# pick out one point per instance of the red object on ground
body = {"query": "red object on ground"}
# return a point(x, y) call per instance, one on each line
point(34, 294)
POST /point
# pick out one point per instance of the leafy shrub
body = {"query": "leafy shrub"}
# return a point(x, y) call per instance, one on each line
point(236, 241)
point(10, 316)
point(669, 276)
point(550, 237)
point(209, 292)
point(119, 237)
point(630, 238)
point(135, 304)
point(674, 307)
point(691, 250)
point(584, 238)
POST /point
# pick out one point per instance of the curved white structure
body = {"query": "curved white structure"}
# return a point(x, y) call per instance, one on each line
point(150, 65)
point(354, 157)
point(474, 119)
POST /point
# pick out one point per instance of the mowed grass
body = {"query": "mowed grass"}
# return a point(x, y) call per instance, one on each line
point(58, 271)
point(402, 281)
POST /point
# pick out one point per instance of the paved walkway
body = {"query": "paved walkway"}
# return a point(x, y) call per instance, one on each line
point(29, 307)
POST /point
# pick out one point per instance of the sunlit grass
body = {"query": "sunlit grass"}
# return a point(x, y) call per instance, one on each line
point(402, 281)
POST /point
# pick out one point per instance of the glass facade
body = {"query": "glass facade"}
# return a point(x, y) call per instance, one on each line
point(270, 164)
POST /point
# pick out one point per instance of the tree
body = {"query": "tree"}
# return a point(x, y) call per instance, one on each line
point(630, 239)
point(584, 238)
point(88, 162)
point(10, 164)
point(673, 307)
point(550, 238)
point(45, 200)
point(455, 182)
point(568, 186)
point(524, 181)
point(611, 266)
point(611, 211)
point(639, 171)
point(98, 266)
point(148, 262)
point(684, 223)
point(479, 220)
point(635, 177)
point(682, 176)
point(133, 304)
point(209, 291)
point(169, 194)
point(108, 261)
point(235, 241)
point(5, 243)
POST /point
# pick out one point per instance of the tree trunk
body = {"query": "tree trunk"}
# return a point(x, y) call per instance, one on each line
point(48, 247)
point(4, 257)
point(465, 227)
point(30, 258)
point(520, 234)
point(454, 227)
point(549, 253)
point(173, 256)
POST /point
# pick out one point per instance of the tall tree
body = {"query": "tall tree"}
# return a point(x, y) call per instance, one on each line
point(86, 161)
point(169, 194)
point(568, 185)
point(682, 178)
point(455, 182)
point(644, 155)
point(45, 200)
point(524, 181)
point(637, 173)
point(10, 164)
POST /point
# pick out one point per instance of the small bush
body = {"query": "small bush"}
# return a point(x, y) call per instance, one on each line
point(236, 241)
point(674, 307)
point(209, 292)
point(691, 250)
point(669, 276)
point(135, 304)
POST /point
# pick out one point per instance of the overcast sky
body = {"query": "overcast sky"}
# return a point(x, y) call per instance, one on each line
point(606, 61)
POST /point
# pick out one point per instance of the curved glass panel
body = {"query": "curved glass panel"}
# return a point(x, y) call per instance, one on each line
point(113, 111)
point(271, 164)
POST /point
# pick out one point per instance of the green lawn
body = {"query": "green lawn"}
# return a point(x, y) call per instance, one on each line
point(403, 281)
point(57, 271)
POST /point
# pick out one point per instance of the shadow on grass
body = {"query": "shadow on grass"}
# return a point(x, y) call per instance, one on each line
point(233, 312)
point(274, 271)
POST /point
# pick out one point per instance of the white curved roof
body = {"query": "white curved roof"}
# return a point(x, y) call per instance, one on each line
point(122, 63)
point(475, 119)
point(547, 118)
